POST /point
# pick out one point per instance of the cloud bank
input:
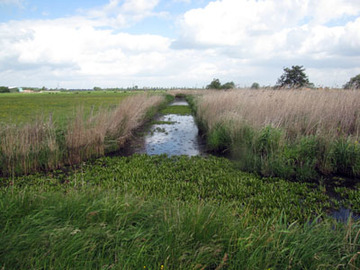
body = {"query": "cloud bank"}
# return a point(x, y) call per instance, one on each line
point(239, 40)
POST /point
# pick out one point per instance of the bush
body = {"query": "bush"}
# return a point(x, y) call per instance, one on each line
point(4, 89)
point(255, 85)
point(215, 84)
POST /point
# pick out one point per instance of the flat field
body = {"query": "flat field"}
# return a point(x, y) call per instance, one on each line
point(18, 108)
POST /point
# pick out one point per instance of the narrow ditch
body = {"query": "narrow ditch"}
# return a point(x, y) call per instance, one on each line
point(171, 134)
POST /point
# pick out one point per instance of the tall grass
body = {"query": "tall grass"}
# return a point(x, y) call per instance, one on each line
point(108, 230)
point(289, 133)
point(44, 145)
point(177, 212)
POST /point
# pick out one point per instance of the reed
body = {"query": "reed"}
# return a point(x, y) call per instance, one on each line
point(43, 145)
point(27, 148)
point(310, 131)
point(331, 113)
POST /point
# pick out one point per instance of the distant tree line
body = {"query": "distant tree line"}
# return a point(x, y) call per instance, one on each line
point(4, 89)
point(292, 78)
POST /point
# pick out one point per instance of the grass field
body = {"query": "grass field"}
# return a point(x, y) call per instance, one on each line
point(18, 108)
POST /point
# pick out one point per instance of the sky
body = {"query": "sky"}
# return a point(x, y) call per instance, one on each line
point(176, 43)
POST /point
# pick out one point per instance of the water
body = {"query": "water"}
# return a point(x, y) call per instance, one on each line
point(179, 102)
point(343, 215)
point(180, 137)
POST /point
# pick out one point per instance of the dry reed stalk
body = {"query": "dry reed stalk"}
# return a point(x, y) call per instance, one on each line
point(35, 146)
point(330, 113)
point(130, 115)
point(83, 138)
point(86, 138)
point(21, 147)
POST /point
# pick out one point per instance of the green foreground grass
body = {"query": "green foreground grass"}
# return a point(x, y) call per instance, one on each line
point(164, 212)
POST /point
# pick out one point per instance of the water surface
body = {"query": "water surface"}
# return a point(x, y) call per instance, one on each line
point(177, 135)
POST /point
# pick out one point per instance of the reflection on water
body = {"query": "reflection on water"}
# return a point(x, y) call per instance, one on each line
point(179, 102)
point(178, 138)
point(343, 215)
point(178, 135)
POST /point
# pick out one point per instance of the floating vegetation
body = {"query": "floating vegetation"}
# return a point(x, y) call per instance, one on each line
point(180, 212)
point(163, 122)
point(180, 110)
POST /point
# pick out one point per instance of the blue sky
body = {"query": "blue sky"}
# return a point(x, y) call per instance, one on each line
point(150, 43)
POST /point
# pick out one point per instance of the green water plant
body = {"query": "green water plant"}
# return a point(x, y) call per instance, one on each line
point(159, 212)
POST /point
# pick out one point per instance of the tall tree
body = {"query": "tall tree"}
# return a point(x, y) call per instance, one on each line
point(354, 83)
point(215, 84)
point(293, 77)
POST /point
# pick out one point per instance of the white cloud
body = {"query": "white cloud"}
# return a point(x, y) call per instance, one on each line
point(233, 40)
point(74, 44)
point(120, 14)
point(273, 32)
point(323, 11)
point(238, 22)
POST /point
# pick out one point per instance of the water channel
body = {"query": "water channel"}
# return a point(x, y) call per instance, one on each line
point(174, 134)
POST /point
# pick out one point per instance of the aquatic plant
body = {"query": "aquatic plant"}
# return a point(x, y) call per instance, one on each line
point(179, 212)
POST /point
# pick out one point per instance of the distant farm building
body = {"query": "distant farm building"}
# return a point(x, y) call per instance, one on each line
point(27, 91)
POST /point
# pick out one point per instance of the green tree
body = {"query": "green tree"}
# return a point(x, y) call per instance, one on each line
point(4, 89)
point(293, 77)
point(215, 84)
point(228, 85)
point(255, 85)
point(354, 83)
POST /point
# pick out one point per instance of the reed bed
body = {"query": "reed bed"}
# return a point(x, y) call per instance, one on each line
point(43, 145)
point(312, 112)
point(312, 131)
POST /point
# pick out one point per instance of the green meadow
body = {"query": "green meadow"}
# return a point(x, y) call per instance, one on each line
point(18, 108)
point(93, 211)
